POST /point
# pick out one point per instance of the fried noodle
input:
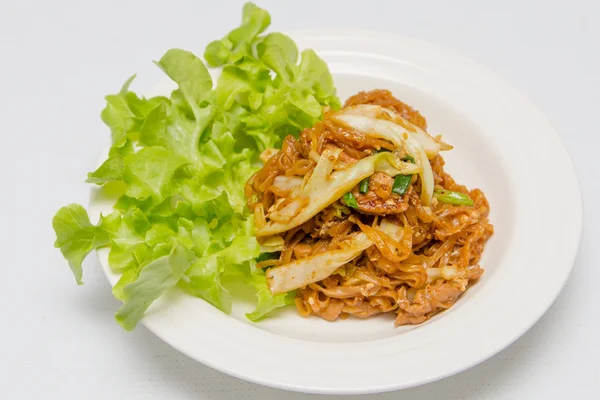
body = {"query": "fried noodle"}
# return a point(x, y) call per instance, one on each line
point(416, 273)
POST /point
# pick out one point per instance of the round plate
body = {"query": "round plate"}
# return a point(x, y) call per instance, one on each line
point(503, 145)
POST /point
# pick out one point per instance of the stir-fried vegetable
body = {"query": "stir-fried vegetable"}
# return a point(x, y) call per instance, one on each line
point(402, 138)
point(324, 187)
point(431, 145)
point(268, 256)
point(455, 198)
point(401, 184)
point(350, 200)
point(271, 244)
point(283, 182)
point(364, 185)
point(447, 272)
point(392, 229)
point(317, 267)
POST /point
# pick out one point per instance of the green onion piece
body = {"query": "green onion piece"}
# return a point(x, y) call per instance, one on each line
point(450, 197)
point(364, 186)
point(268, 256)
point(401, 184)
point(408, 158)
point(350, 200)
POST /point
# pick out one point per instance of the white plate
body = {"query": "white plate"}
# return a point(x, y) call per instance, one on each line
point(504, 146)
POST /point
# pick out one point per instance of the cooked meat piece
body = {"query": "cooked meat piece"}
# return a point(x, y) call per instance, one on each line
point(370, 203)
point(380, 200)
point(381, 184)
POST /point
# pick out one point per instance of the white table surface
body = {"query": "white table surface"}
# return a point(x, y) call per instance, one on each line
point(59, 58)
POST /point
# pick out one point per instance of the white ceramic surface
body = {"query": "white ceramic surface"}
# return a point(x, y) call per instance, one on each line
point(503, 145)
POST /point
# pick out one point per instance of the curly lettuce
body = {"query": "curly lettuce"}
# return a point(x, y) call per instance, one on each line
point(182, 162)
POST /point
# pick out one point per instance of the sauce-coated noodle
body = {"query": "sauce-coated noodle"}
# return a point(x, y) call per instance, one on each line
point(418, 265)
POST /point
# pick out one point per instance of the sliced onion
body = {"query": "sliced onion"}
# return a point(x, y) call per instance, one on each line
point(393, 132)
point(312, 269)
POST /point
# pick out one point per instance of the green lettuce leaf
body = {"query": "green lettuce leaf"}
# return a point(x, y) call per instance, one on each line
point(149, 173)
point(110, 170)
point(125, 112)
point(266, 301)
point(238, 42)
point(152, 282)
point(183, 161)
point(128, 238)
point(76, 236)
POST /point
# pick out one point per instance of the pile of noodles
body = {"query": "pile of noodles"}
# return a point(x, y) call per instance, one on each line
point(415, 277)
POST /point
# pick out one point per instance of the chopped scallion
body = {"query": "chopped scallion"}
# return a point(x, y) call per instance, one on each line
point(450, 197)
point(350, 200)
point(268, 256)
point(364, 186)
point(401, 184)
